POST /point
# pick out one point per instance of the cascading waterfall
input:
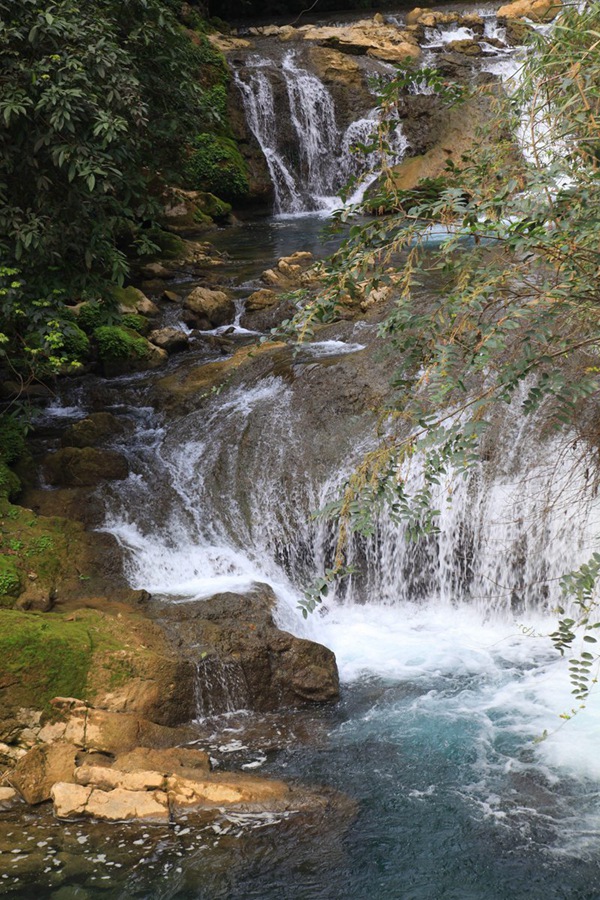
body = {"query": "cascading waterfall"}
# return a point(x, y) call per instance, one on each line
point(309, 177)
point(442, 644)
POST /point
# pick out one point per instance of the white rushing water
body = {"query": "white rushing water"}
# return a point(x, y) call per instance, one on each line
point(308, 177)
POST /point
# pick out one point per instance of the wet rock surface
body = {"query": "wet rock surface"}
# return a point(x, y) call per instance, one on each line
point(243, 659)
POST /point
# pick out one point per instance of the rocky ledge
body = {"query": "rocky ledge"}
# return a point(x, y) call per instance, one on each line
point(116, 767)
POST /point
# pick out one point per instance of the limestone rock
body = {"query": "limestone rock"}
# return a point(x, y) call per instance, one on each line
point(113, 732)
point(155, 270)
point(226, 43)
point(9, 798)
point(173, 340)
point(224, 790)
point(166, 761)
point(431, 18)
point(94, 429)
point(215, 306)
point(247, 657)
point(367, 36)
point(134, 300)
point(74, 800)
point(108, 779)
point(261, 299)
point(535, 10)
point(468, 47)
point(38, 770)
point(76, 466)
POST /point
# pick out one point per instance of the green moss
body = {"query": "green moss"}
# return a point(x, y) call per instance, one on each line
point(136, 323)
point(213, 206)
point(46, 546)
point(10, 579)
point(115, 342)
point(169, 245)
point(12, 439)
point(10, 484)
point(45, 655)
point(76, 344)
point(95, 314)
point(128, 297)
point(217, 166)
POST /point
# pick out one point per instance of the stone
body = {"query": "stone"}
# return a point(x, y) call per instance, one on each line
point(114, 732)
point(94, 429)
point(173, 340)
point(225, 43)
point(77, 466)
point(245, 656)
point(108, 779)
point(166, 761)
point(134, 300)
point(535, 10)
point(367, 36)
point(431, 18)
point(468, 47)
point(74, 801)
point(215, 306)
point(37, 598)
point(40, 768)
point(261, 299)
point(155, 270)
point(154, 357)
point(170, 296)
point(9, 798)
point(224, 790)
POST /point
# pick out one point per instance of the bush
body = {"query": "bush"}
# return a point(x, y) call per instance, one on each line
point(216, 165)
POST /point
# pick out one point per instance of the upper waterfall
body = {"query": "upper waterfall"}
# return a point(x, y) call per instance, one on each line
point(309, 152)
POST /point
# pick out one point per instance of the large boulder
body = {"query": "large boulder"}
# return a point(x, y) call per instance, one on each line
point(119, 805)
point(173, 340)
point(214, 306)
point(244, 660)
point(37, 771)
point(113, 732)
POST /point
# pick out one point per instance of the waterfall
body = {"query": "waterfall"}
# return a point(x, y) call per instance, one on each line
point(309, 167)
point(241, 481)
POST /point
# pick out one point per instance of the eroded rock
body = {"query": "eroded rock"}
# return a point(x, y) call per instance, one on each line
point(173, 340)
point(214, 306)
point(535, 10)
point(37, 771)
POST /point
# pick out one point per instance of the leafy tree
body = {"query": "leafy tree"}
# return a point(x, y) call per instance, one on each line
point(96, 103)
point(520, 264)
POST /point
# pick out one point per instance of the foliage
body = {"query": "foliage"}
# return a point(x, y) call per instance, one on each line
point(96, 313)
point(517, 308)
point(115, 342)
point(96, 105)
point(216, 165)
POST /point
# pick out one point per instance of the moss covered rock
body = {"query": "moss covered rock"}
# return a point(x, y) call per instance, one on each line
point(74, 466)
point(94, 429)
point(217, 166)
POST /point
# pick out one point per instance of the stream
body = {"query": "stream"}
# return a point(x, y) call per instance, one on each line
point(448, 678)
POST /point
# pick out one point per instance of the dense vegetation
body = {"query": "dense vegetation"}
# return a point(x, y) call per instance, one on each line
point(99, 108)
